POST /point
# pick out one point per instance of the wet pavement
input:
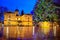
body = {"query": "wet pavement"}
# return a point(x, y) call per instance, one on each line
point(1, 38)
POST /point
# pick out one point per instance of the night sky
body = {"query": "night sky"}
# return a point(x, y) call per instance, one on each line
point(26, 5)
point(11, 5)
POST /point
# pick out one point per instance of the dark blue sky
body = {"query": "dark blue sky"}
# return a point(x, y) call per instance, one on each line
point(26, 5)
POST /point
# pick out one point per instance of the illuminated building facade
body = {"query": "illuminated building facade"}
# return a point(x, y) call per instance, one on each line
point(18, 25)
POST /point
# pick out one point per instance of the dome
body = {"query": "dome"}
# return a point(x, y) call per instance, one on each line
point(16, 10)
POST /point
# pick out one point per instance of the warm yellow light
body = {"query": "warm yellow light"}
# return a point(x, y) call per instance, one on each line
point(7, 32)
point(18, 18)
point(45, 27)
point(19, 31)
point(55, 25)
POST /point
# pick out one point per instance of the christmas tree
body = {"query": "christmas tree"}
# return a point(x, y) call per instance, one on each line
point(44, 10)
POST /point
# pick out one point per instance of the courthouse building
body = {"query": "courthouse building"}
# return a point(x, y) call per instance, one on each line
point(16, 25)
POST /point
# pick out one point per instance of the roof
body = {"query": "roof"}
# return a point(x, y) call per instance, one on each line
point(16, 10)
point(27, 14)
point(8, 12)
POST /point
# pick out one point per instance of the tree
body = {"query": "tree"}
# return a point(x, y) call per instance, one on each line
point(45, 10)
point(2, 10)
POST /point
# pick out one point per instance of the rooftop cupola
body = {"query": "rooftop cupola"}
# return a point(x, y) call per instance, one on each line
point(16, 11)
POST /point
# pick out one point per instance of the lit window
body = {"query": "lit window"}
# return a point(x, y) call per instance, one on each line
point(18, 18)
point(8, 18)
